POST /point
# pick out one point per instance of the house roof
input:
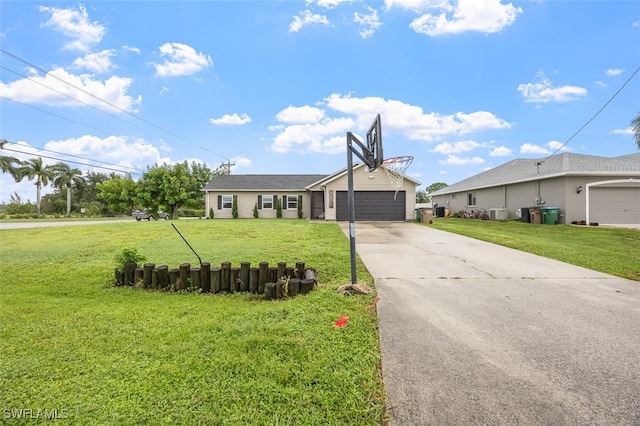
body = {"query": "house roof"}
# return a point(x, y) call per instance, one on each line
point(566, 164)
point(262, 182)
point(337, 175)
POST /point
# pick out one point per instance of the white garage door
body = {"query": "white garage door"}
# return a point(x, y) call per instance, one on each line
point(614, 205)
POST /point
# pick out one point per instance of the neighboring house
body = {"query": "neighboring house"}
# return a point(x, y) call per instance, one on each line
point(584, 187)
point(321, 196)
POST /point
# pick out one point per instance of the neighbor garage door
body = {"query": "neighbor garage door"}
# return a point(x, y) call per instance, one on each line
point(373, 205)
point(611, 205)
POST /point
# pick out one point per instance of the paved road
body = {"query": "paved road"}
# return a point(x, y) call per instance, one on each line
point(474, 333)
point(27, 225)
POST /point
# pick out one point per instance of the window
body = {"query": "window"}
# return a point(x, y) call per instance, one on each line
point(227, 201)
point(267, 201)
point(471, 199)
point(291, 201)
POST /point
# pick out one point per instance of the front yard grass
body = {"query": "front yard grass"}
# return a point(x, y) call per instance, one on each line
point(614, 251)
point(116, 356)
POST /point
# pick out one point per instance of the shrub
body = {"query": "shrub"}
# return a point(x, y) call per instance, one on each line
point(128, 255)
point(278, 208)
point(211, 213)
point(255, 211)
point(300, 207)
point(234, 207)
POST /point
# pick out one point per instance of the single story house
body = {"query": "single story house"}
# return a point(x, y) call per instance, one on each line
point(584, 187)
point(319, 196)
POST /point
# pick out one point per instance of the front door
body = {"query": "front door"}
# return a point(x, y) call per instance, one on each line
point(317, 204)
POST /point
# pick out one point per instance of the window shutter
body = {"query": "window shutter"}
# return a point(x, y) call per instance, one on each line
point(275, 201)
point(284, 202)
point(219, 202)
point(259, 202)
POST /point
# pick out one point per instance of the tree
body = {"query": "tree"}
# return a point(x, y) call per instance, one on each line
point(8, 163)
point(422, 197)
point(119, 193)
point(636, 129)
point(65, 177)
point(433, 188)
point(169, 187)
point(34, 168)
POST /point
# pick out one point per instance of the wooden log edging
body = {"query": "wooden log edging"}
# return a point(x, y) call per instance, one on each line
point(273, 282)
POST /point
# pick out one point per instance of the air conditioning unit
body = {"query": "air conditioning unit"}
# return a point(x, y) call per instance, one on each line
point(498, 214)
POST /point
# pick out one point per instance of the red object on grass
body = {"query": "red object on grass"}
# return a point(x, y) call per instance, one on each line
point(342, 321)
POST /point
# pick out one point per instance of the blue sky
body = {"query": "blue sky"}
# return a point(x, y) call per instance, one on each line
point(273, 86)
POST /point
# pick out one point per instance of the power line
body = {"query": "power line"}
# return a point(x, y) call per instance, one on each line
point(70, 161)
point(594, 116)
point(102, 100)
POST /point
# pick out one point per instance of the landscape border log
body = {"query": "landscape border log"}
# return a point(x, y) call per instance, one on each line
point(289, 272)
point(300, 270)
point(205, 276)
point(148, 270)
point(154, 278)
point(270, 291)
point(282, 270)
point(216, 280)
point(226, 277)
point(310, 274)
point(279, 290)
point(138, 274)
point(306, 286)
point(185, 270)
point(163, 277)
point(234, 279)
point(253, 280)
point(272, 275)
point(244, 275)
point(119, 276)
point(129, 269)
point(195, 278)
point(294, 287)
point(174, 276)
point(262, 276)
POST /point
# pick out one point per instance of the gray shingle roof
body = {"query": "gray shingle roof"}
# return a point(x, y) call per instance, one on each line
point(262, 182)
point(521, 170)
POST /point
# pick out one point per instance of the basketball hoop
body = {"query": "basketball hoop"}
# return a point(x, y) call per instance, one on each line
point(395, 168)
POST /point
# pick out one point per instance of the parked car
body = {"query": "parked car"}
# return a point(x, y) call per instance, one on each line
point(145, 215)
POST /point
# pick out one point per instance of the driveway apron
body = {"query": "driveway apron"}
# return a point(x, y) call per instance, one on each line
point(476, 333)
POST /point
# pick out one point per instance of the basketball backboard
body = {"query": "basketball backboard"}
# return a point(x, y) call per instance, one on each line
point(374, 142)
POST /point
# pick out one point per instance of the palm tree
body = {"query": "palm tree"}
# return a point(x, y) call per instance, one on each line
point(636, 129)
point(34, 168)
point(65, 177)
point(8, 163)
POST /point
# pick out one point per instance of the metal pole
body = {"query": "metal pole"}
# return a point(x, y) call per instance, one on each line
point(352, 210)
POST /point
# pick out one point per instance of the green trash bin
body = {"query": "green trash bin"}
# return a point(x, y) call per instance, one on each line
point(549, 215)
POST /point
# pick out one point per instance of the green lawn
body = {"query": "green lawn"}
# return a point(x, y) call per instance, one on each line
point(614, 251)
point(103, 355)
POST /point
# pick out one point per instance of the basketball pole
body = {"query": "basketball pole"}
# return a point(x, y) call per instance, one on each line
point(352, 210)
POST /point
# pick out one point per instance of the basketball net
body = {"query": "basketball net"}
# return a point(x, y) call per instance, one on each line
point(395, 168)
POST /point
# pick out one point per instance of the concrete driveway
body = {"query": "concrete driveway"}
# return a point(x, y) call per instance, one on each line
point(475, 333)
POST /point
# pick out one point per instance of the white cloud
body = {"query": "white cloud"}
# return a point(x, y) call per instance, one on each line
point(410, 120)
point(500, 151)
point(240, 161)
point(369, 23)
point(557, 145)
point(314, 129)
point(75, 24)
point(164, 90)
point(489, 16)
point(418, 5)
point(453, 160)
point(611, 72)
point(37, 90)
point(130, 49)
point(98, 63)
point(181, 60)
point(330, 4)
point(528, 148)
point(307, 18)
point(303, 114)
point(231, 120)
point(455, 148)
point(327, 136)
point(627, 131)
point(544, 92)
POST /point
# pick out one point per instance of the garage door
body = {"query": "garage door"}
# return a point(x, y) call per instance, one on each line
point(373, 205)
point(614, 205)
